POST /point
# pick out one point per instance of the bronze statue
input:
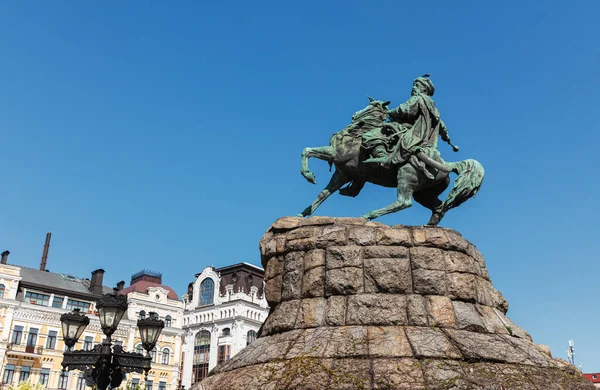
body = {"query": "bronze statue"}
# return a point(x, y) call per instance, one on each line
point(401, 153)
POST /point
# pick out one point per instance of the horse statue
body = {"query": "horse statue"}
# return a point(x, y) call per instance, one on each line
point(347, 154)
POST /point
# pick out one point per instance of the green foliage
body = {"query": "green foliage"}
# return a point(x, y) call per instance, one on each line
point(130, 386)
point(26, 385)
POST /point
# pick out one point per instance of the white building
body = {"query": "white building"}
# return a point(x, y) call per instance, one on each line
point(224, 309)
point(146, 294)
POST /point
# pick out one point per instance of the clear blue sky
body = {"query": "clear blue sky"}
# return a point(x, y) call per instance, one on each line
point(163, 136)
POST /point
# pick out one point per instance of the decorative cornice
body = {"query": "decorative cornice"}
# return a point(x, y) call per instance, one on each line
point(52, 318)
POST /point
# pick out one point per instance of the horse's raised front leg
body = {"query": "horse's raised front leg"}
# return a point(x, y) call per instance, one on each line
point(407, 181)
point(337, 181)
point(322, 152)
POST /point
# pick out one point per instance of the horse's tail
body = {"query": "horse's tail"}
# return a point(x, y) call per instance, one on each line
point(466, 185)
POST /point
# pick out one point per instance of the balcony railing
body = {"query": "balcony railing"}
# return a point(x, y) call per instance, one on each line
point(25, 348)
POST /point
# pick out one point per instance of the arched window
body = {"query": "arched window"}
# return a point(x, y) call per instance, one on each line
point(153, 354)
point(250, 337)
point(226, 332)
point(165, 356)
point(207, 291)
point(168, 321)
point(139, 349)
point(2, 288)
point(142, 314)
point(201, 355)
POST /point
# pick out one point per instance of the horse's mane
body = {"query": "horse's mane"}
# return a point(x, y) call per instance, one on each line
point(360, 126)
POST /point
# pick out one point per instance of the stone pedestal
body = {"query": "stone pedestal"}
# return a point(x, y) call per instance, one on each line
point(362, 305)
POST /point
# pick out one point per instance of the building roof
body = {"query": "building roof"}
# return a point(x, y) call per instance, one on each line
point(141, 286)
point(593, 377)
point(52, 280)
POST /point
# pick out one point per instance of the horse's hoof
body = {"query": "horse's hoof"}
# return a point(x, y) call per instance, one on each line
point(300, 215)
point(310, 177)
point(366, 217)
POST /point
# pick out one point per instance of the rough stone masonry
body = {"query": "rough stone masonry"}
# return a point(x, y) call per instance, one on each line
point(362, 305)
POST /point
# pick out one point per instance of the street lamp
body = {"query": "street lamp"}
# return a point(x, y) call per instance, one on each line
point(150, 329)
point(111, 308)
point(73, 325)
point(106, 364)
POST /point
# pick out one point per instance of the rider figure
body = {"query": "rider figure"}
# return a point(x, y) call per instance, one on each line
point(414, 127)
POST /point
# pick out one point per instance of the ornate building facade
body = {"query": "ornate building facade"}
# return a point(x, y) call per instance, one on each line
point(224, 309)
point(146, 293)
point(31, 346)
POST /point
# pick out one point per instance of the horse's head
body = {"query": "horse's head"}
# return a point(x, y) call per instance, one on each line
point(375, 111)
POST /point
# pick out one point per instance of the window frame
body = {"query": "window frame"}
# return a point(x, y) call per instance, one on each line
point(24, 374)
point(63, 380)
point(44, 377)
point(224, 353)
point(2, 290)
point(32, 337)
point(165, 357)
point(51, 339)
point(77, 304)
point(40, 299)
point(88, 343)
point(17, 332)
point(250, 340)
point(59, 300)
point(9, 370)
point(207, 292)
point(80, 382)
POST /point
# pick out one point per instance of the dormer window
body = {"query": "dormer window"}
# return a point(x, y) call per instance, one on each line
point(142, 315)
point(226, 332)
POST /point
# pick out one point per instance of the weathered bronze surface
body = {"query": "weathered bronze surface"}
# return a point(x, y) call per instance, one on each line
point(402, 153)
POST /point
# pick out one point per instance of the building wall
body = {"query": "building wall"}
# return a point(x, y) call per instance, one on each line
point(171, 338)
point(41, 357)
point(227, 319)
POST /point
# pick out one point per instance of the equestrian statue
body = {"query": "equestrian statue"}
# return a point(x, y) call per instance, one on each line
point(402, 153)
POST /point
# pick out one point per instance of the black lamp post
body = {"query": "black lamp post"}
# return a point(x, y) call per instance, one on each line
point(106, 364)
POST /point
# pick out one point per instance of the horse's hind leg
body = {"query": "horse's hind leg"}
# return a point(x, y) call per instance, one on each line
point(407, 181)
point(429, 198)
point(322, 152)
point(337, 181)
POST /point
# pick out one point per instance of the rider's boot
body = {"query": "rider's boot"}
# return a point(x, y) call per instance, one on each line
point(380, 156)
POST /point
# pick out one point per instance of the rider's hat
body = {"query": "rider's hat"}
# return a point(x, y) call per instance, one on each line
point(424, 80)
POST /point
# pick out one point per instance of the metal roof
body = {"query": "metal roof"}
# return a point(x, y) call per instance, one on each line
point(53, 280)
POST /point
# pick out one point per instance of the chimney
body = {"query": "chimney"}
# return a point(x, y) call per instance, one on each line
point(4, 257)
point(45, 252)
point(96, 282)
point(121, 285)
